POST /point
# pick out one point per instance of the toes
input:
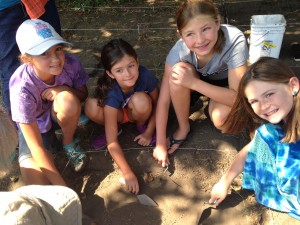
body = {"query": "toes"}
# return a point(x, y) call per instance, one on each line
point(173, 148)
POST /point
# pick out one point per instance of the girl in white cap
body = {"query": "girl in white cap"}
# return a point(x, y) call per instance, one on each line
point(34, 204)
point(45, 93)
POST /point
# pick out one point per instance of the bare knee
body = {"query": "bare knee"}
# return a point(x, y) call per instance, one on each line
point(218, 122)
point(93, 111)
point(90, 107)
point(141, 103)
point(219, 115)
point(66, 103)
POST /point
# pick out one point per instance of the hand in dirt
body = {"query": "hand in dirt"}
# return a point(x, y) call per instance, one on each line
point(183, 74)
point(143, 139)
point(160, 153)
point(218, 193)
point(131, 183)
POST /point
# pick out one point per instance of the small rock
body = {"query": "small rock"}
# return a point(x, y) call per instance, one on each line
point(14, 179)
point(148, 177)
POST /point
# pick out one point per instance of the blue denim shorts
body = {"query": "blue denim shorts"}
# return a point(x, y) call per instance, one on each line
point(48, 140)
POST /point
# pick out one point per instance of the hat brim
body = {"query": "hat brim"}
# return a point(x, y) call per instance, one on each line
point(55, 203)
point(43, 47)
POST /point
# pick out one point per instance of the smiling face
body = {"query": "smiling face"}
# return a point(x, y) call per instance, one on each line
point(201, 34)
point(126, 73)
point(49, 64)
point(271, 101)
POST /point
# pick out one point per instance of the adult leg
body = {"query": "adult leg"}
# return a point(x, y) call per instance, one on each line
point(51, 15)
point(180, 97)
point(10, 20)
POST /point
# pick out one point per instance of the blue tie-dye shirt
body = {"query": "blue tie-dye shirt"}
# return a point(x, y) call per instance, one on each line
point(272, 170)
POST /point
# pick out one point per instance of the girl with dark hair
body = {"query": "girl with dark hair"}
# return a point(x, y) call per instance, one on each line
point(127, 92)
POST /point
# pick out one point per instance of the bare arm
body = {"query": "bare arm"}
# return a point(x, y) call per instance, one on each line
point(186, 75)
point(220, 189)
point(151, 124)
point(42, 158)
point(162, 110)
point(114, 148)
point(223, 95)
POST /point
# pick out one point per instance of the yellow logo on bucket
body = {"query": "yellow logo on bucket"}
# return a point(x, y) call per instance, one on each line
point(268, 44)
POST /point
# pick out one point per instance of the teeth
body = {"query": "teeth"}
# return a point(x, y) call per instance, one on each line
point(270, 113)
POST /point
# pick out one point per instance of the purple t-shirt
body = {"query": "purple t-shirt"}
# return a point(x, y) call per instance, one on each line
point(25, 87)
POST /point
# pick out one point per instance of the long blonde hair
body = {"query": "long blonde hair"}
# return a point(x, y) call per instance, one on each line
point(8, 139)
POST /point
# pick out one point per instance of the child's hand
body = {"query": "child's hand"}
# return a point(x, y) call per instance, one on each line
point(160, 153)
point(50, 93)
point(131, 183)
point(143, 139)
point(183, 74)
point(219, 192)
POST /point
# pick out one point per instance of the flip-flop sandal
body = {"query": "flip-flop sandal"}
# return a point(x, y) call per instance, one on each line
point(176, 141)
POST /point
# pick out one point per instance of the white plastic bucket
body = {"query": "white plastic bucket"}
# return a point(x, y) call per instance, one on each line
point(266, 36)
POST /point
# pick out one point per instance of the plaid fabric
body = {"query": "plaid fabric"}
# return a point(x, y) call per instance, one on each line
point(272, 170)
point(35, 8)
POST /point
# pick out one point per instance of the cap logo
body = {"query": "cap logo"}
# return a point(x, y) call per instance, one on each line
point(43, 31)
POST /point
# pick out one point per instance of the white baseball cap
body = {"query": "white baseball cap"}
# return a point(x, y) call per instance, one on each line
point(35, 37)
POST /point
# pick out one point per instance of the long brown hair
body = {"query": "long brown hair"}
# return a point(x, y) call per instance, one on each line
point(193, 8)
point(242, 116)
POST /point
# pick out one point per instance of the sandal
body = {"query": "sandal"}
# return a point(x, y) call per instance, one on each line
point(179, 142)
point(100, 141)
